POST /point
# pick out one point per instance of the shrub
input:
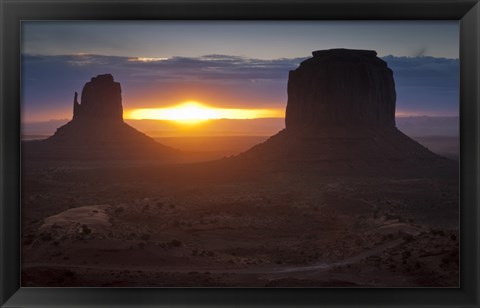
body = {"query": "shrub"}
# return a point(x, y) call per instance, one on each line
point(176, 243)
point(86, 230)
point(46, 236)
point(145, 237)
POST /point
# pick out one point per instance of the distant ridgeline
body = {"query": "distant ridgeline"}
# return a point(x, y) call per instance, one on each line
point(340, 118)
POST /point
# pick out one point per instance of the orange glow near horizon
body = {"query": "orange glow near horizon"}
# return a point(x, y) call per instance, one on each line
point(192, 112)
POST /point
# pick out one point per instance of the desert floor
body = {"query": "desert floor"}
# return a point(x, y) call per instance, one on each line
point(144, 224)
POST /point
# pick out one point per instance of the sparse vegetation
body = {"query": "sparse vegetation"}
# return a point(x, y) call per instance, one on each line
point(175, 243)
point(220, 226)
point(86, 230)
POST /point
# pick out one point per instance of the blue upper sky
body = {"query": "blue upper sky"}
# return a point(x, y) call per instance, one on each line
point(252, 39)
point(227, 63)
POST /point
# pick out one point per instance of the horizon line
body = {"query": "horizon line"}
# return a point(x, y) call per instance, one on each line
point(220, 119)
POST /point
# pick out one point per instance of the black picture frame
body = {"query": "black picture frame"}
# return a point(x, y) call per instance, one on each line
point(14, 11)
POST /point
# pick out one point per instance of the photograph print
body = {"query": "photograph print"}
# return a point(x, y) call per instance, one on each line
point(258, 154)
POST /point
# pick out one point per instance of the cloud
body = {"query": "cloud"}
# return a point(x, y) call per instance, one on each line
point(421, 52)
point(425, 85)
point(209, 67)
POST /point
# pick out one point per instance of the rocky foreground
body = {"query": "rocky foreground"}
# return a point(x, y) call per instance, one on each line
point(177, 226)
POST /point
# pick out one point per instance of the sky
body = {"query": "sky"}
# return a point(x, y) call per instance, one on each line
point(227, 64)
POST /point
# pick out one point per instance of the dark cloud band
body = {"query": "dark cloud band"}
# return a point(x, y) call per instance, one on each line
point(424, 84)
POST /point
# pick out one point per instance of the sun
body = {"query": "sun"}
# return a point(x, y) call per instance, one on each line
point(187, 112)
point(191, 112)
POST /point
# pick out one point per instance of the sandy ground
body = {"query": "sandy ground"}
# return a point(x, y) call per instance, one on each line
point(150, 225)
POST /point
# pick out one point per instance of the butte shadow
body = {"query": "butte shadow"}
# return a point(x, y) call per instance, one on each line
point(97, 130)
point(340, 119)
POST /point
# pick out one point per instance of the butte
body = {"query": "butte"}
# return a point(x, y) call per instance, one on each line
point(97, 130)
point(340, 119)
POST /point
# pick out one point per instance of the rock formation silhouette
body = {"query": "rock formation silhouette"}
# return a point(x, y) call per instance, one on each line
point(341, 87)
point(101, 100)
point(340, 118)
point(97, 129)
